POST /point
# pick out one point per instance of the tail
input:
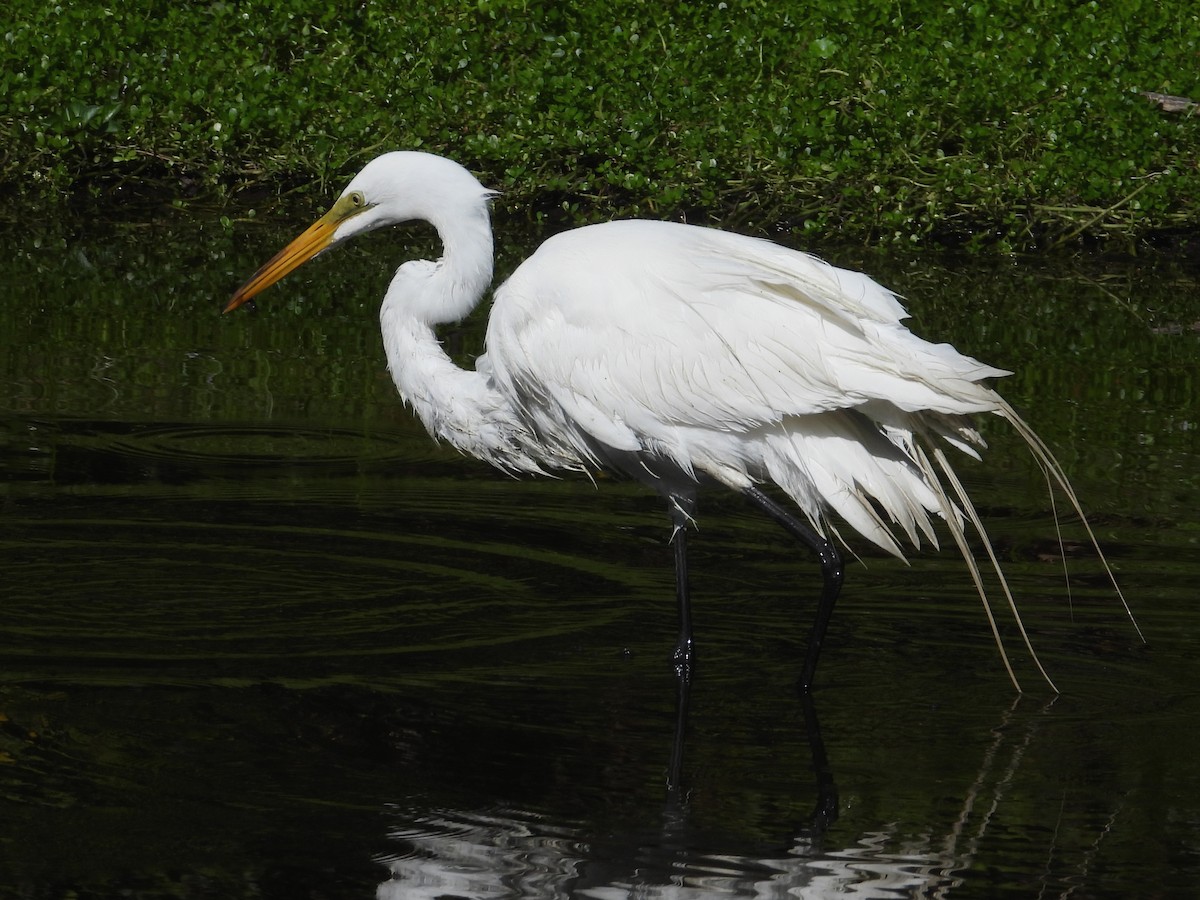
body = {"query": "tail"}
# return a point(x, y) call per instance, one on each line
point(954, 511)
point(1054, 472)
point(953, 514)
point(890, 465)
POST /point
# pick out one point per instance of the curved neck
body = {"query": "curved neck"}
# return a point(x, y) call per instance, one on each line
point(457, 405)
point(446, 398)
point(447, 291)
point(460, 406)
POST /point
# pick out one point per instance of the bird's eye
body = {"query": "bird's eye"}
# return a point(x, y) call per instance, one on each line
point(357, 199)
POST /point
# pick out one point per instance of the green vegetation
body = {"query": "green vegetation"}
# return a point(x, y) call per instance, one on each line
point(1011, 125)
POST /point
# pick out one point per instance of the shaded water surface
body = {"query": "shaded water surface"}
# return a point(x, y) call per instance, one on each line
point(262, 638)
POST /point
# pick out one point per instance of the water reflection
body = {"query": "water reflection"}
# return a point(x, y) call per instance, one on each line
point(483, 854)
point(503, 852)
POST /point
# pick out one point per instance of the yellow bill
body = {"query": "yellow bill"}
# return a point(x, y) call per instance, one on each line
point(315, 239)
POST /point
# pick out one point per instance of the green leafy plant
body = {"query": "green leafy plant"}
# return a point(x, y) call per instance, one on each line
point(1007, 125)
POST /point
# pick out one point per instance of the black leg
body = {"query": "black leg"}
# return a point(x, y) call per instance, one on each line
point(825, 811)
point(683, 690)
point(831, 572)
point(682, 657)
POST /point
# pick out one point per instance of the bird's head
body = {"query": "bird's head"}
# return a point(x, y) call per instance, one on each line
point(397, 187)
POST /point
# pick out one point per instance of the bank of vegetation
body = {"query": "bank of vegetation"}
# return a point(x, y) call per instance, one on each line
point(996, 125)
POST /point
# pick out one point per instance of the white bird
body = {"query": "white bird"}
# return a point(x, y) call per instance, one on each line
point(678, 355)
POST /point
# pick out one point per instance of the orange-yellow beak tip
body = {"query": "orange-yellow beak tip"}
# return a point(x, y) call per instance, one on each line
point(303, 248)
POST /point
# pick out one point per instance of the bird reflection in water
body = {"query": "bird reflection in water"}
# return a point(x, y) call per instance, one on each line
point(506, 852)
point(515, 853)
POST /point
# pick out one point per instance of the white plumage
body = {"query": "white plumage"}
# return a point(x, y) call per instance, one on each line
point(730, 356)
point(675, 353)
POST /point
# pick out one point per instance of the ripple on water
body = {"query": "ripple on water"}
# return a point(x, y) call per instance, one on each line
point(189, 544)
point(258, 445)
point(300, 585)
point(96, 455)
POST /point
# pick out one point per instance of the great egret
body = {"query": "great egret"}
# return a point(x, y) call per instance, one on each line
point(678, 354)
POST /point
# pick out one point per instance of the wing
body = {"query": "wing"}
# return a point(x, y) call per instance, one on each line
point(631, 331)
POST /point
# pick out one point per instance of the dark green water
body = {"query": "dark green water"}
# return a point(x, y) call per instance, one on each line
point(262, 638)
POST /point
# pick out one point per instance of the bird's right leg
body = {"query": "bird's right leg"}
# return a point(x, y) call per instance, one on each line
point(681, 509)
point(831, 573)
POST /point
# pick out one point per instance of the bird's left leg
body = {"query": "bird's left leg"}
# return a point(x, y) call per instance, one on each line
point(831, 573)
point(681, 509)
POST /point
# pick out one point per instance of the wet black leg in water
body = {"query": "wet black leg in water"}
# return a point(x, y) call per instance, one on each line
point(825, 810)
point(682, 655)
point(831, 573)
point(683, 691)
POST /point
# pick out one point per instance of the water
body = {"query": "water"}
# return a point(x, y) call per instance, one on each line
point(262, 638)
